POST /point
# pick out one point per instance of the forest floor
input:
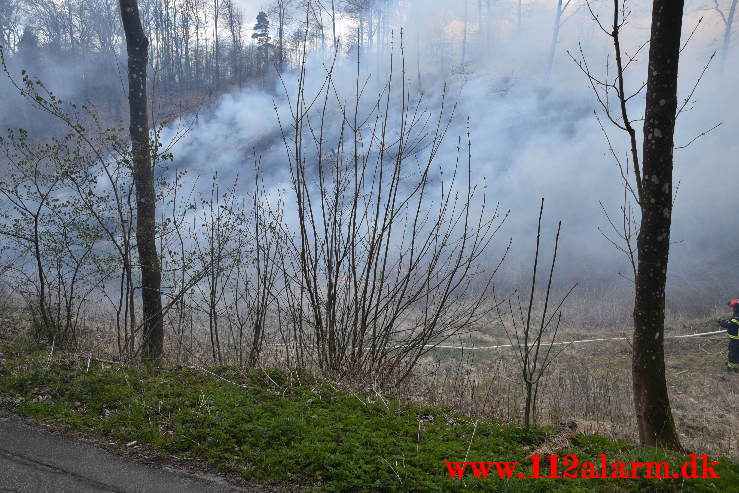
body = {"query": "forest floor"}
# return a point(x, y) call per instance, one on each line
point(297, 431)
point(591, 384)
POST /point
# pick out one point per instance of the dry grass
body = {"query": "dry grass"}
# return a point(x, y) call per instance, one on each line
point(591, 384)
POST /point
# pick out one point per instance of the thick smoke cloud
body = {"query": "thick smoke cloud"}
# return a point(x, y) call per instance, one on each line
point(533, 135)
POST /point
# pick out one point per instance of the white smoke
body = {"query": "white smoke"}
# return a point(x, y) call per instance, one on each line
point(533, 134)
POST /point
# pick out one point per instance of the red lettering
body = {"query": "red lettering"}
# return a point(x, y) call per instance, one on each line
point(571, 462)
point(480, 468)
point(588, 471)
point(573, 468)
point(692, 465)
point(658, 470)
point(708, 471)
point(635, 469)
point(619, 471)
point(505, 469)
point(456, 469)
point(553, 472)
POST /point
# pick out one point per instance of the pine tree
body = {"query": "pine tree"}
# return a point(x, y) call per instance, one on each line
point(261, 29)
point(261, 35)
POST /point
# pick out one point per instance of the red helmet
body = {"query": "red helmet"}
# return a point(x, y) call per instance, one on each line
point(734, 303)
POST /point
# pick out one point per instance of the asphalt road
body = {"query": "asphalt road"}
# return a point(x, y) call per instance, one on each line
point(32, 460)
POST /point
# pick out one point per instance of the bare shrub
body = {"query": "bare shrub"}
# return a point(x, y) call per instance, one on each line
point(386, 259)
point(527, 335)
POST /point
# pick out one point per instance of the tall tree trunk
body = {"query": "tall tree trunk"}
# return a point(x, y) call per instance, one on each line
point(464, 36)
point(520, 8)
point(281, 35)
point(555, 36)
point(488, 25)
point(654, 417)
point(370, 26)
point(333, 25)
point(216, 47)
point(728, 25)
point(143, 177)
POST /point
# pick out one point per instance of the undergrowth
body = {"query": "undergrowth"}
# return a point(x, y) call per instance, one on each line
point(297, 430)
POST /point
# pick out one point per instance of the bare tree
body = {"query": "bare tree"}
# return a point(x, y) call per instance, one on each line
point(280, 10)
point(29, 187)
point(234, 18)
point(55, 228)
point(527, 336)
point(384, 263)
point(519, 15)
point(195, 45)
point(10, 24)
point(218, 223)
point(559, 20)
point(216, 45)
point(465, 34)
point(653, 412)
point(728, 19)
point(143, 177)
point(653, 192)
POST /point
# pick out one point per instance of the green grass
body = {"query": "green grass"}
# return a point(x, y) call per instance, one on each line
point(301, 431)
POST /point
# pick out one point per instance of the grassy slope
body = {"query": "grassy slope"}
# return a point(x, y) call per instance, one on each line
point(299, 430)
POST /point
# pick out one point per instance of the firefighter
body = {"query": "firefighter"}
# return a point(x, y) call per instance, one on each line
point(732, 329)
